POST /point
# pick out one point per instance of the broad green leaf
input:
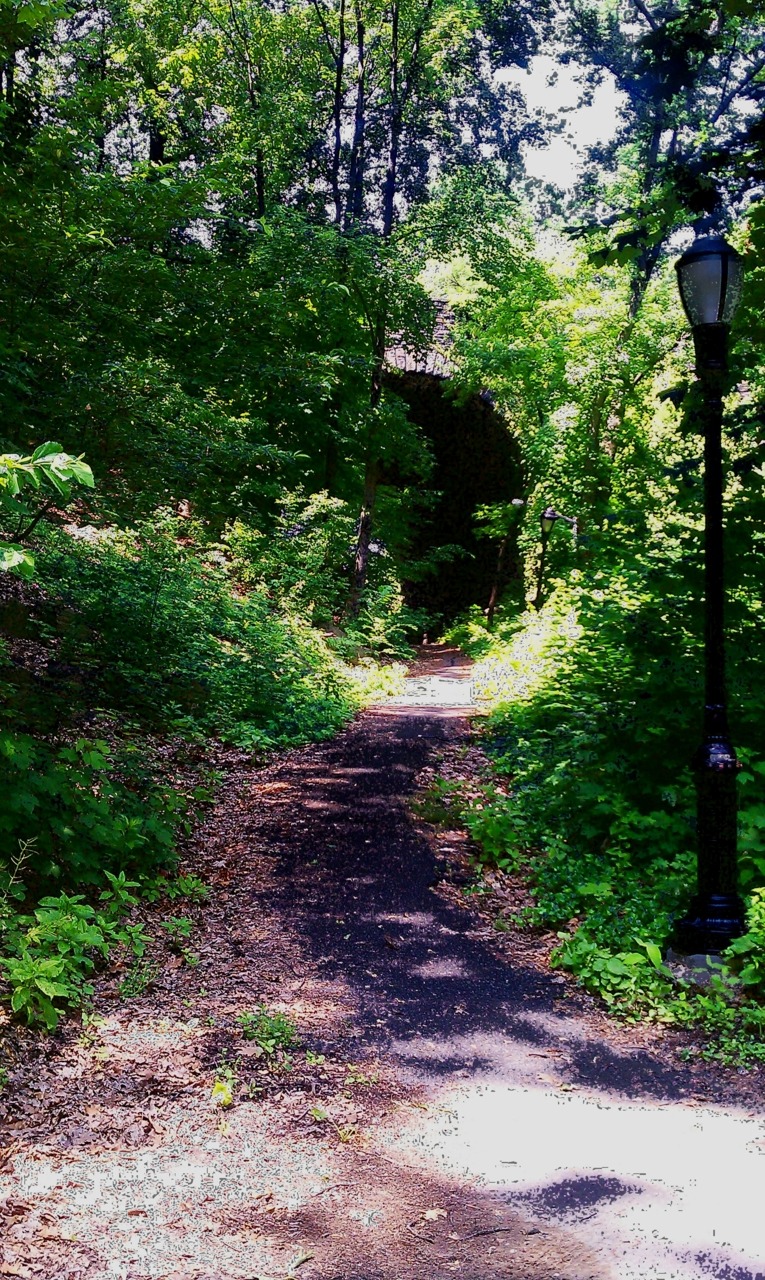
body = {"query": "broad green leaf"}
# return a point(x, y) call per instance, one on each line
point(15, 559)
point(51, 988)
point(46, 450)
point(81, 472)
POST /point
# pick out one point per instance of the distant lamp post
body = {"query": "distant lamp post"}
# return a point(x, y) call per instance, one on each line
point(547, 522)
point(709, 277)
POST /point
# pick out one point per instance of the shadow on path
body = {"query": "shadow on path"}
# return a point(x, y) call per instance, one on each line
point(357, 877)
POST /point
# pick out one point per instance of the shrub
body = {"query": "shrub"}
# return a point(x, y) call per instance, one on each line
point(596, 717)
point(92, 809)
point(745, 957)
point(164, 632)
point(270, 1031)
point(50, 954)
point(302, 563)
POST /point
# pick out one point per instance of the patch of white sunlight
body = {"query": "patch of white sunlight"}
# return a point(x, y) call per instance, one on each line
point(661, 1190)
point(445, 967)
point(411, 919)
point(435, 691)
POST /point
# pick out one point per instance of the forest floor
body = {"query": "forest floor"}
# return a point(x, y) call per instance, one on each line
point(454, 1108)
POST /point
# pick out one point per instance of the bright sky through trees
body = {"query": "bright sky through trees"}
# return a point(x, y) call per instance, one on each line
point(560, 159)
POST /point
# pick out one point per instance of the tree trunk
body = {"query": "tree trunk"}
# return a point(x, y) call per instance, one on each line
point(260, 183)
point(337, 119)
point(364, 538)
point(400, 88)
point(396, 122)
point(499, 578)
point(402, 84)
point(9, 75)
point(253, 73)
point(337, 54)
point(372, 472)
point(355, 201)
point(331, 459)
point(156, 144)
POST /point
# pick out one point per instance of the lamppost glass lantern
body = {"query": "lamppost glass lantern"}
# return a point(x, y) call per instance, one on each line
point(547, 519)
point(709, 276)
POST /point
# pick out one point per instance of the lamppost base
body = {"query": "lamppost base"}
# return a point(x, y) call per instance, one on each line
point(712, 922)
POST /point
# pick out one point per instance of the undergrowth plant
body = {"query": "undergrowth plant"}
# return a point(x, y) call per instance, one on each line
point(139, 978)
point(29, 485)
point(270, 1031)
point(92, 806)
point(745, 957)
point(49, 955)
point(178, 930)
point(301, 562)
point(164, 630)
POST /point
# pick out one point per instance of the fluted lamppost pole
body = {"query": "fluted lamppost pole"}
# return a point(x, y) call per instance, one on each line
point(709, 278)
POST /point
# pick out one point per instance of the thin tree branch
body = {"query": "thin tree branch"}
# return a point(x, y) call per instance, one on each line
point(22, 534)
point(325, 28)
point(646, 12)
point(726, 102)
point(728, 69)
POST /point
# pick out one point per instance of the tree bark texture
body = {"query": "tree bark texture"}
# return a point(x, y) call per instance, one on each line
point(354, 208)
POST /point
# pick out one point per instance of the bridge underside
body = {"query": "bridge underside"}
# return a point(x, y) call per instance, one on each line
point(476, 462)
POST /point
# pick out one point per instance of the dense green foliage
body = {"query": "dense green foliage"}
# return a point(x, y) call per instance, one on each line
point(49, 469)
point(216, 219)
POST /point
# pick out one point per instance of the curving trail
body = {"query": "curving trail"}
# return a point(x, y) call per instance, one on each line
point(460, 1111)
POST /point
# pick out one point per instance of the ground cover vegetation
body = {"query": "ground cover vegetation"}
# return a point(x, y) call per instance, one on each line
point(217, 218)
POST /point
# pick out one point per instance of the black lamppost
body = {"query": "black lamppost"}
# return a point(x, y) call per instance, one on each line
point(547, 521)
point(709, 277)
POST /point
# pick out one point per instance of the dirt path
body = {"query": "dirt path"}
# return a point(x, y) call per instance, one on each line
point(454, 1109)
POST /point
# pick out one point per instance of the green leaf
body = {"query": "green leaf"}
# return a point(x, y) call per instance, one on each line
point(222, 1094)
point(81, 472)
point(57, 482)
point(18, 999)
point(45, 450)
point(16, 559)
point(51, 988)
point(49, 1014)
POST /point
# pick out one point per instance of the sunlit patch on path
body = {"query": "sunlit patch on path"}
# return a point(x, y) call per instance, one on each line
point(439, 691)
point(442, 681)
point(640, 1182)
